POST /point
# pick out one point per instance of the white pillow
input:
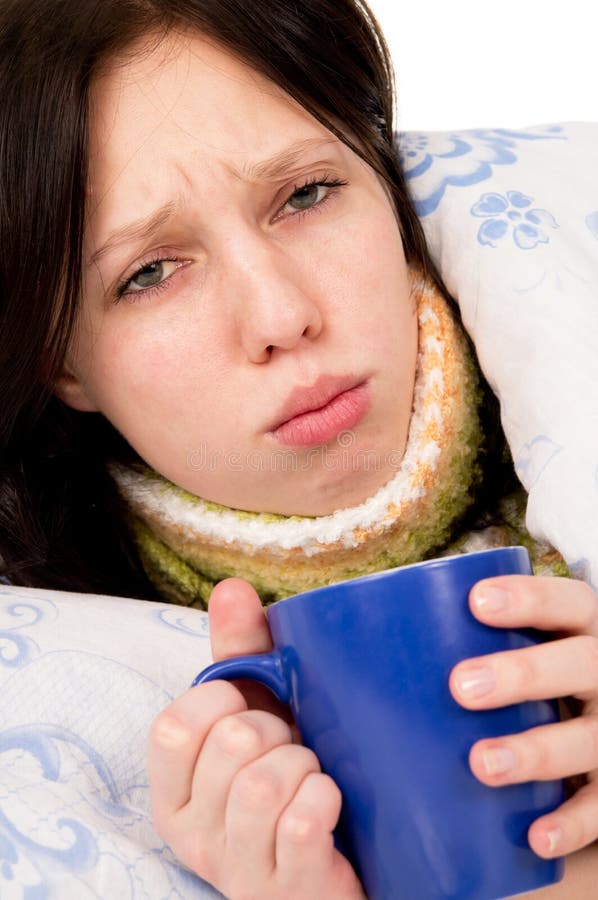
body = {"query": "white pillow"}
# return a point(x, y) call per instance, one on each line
point(81, 678)
point(511, 218)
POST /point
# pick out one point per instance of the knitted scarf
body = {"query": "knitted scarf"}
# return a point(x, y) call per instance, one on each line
point(187, 544)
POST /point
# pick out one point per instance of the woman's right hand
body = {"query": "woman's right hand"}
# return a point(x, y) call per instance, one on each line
point(237, 798)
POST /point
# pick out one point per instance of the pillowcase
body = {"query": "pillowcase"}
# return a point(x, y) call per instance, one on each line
point(511, 219)
point(81, 678)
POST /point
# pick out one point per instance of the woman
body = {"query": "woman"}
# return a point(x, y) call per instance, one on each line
point(223, 251)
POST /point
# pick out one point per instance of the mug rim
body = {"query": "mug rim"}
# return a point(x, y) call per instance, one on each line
point(434, 562)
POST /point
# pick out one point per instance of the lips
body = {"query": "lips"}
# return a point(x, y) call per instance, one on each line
point(317, 414)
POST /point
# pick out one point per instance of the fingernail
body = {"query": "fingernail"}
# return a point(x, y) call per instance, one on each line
point(491, 599)
point(498, 761)
point(476, 682)
point(554, 838)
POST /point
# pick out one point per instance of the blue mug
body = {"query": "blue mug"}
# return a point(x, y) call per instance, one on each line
point(364, 666)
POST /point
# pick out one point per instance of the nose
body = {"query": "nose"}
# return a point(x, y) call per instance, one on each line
point(275, 308)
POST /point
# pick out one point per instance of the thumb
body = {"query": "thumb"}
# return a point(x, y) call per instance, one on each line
point(238, 624)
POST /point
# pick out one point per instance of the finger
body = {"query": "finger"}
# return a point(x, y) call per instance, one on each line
point(555, 669)
point(304, 841)
point(237, 621)
point(258, 796)
point(551, 604)
point(572, 826)
point(305, 853)
point(233, 742)
point(175, 740)
point(539, 754)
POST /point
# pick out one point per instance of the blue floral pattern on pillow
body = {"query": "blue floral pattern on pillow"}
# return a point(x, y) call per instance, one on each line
point(505, 212)
point(471, 155)
point(77, 696)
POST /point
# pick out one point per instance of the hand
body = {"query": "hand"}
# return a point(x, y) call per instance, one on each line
point(564, 666)
point(239, 800)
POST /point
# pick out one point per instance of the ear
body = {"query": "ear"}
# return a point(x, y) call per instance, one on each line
point(70, 389)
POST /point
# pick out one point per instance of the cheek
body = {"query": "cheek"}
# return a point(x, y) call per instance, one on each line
point(365, 268)
point(384, 314)
point(164, 380)
point(143, 367)
point(381, 249)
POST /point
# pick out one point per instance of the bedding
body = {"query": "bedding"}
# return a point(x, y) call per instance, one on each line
point(512, 221)
point(511, 218)
point(81, 678)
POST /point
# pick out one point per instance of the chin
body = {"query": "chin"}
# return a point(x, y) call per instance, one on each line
point(322, 496)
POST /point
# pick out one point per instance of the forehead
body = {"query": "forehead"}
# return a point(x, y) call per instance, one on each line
point(183, 99)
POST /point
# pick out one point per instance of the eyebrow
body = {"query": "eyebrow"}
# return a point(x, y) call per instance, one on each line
point(281, 162)
point(138, 230)
point(268, 169)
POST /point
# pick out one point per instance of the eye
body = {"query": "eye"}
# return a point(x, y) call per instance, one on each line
point(307, 196)
point(313, 193)
point(151, 276)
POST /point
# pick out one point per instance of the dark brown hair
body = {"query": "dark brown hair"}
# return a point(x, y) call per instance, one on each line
point(60, 523)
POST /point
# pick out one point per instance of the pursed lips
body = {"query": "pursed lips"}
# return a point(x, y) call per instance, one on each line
point(316, 414)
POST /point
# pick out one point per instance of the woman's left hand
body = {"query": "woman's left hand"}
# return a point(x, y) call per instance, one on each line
point(563, 667)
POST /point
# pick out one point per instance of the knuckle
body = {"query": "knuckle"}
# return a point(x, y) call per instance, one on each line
point(167, 732)
point(580, 830)
point(329, 785)
point(537, 756)
point(300, 826)
point(236, 736)
point(537, 603)
point(591, 723)
point(524, 670)
point(588, 606)
point(589, 648)
point(330, 794)
point(156, 727)
point(258, 787)
point(307, 758)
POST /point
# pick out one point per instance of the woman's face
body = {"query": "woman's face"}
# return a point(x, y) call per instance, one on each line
point(246, 320)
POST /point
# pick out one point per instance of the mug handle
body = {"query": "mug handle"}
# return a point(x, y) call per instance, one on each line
point(266, 668)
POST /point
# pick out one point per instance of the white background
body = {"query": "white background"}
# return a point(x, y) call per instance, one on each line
point(492, 63)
